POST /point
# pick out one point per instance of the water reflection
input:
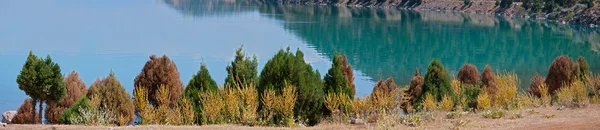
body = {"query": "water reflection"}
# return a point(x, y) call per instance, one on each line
point(382, 43)
point(206, 8)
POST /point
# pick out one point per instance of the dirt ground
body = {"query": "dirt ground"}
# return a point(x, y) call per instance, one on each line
point(541, 119)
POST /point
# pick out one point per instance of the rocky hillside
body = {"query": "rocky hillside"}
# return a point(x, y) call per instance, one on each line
point(575, 13)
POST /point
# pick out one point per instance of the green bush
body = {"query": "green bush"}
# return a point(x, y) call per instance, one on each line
point(437, 82)
point(73, 115)
point(583, 68)
point(505, 3)
point(199, 83)
point(75, 89)
point(470, 92)
point(285, 67)
point(335, 80)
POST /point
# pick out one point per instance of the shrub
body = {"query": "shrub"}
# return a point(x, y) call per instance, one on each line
point(113, 98)
point(285, 105)
point(536, 81)
point(285, 67)
point(429, 104)
point(160, 71)
point(268, 100)
point(560, 72)
point(484, 101)
point(447, 103)
point(25, 114)
point(142, 107)
point(488, 80)
point(415, 87)
point(200, 82)
point(358, 107)
point(332, 102)
point(507, 84)
point(469, 95)
point(573, 95)
point(75, 89)
point(212, 104)
point(494, 114)
point(249, 104)
point(437, 82)
point(544, 94)
point(385, 87)
point(187, 111)
point(467, 2)
point(232, 102)
point(242, 69)
point(583, 69)
point(41, 80)
point(468, 74)
point(335, 80)
point(348, 72)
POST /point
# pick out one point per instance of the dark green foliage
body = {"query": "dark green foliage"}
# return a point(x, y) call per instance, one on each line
point(242, 69)
point(497, 3)
point(75, 89)
point(200, 82)
point(588, 3)
point(550, 6)
point(287, 67)
point(74, 112)
point(335, 81)
point(467, 2)
point(113, 97)
point(533, 5)
point(41, 80)
point(559, 73)
point(156, 72)
point(566, 3)
point(470, 92)
point(437, 82)
point(505, 3)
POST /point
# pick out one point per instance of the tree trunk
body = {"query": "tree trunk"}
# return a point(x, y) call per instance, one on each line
point(33, 102)
point(40, 113)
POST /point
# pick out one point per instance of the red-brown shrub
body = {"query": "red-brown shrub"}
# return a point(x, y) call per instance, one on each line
point(75, 89)
point(468, 74)
point(160, 71)
point(112, 98)
point(536, 81)
point(416, 83)
point(488, 80)
point(347, 71)
point(25, 114)
point(385, 86)
point(559, 73)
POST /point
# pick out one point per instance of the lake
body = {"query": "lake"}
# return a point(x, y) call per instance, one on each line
point(93, 37)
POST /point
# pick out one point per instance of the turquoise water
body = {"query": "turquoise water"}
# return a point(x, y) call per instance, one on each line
point(93, 37)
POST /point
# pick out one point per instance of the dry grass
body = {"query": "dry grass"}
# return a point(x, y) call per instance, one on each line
point(574, 95)
point(447, 103)
point(506, 93)
point(484, 101)
point(212, 104)
point(429, 104)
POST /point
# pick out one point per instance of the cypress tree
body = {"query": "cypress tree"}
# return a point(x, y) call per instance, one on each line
point(41, 80)
point(200, 82)
point(335, 80)
point(437, 82)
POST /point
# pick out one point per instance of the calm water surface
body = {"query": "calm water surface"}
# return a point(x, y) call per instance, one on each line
point(93, 37)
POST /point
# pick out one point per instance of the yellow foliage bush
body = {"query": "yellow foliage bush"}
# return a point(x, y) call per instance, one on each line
point(544, 95)
point(483, 101)
point(268, 101)
point(447, 103)
point(187, 111)
point(285, 105)
point(212, 104)
point(358, 106)
point(507, 86)
point(332, 102)
point(249, 104)
point(456, 88)
point(429, 104)
point(574, 95)
point(232, 102)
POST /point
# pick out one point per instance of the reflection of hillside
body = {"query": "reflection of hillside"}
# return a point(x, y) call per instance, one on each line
point(210, 7)
point(381, 47)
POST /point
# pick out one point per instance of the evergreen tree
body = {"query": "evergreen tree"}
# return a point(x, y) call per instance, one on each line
point(285, 67)
point(75, 89)
point(200, 82)
point(242, 70)
point(437, 82)
point(335, 80)
point(41, 80)
point(113, 98)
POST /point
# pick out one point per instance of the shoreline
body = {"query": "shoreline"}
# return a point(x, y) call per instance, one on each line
point(589, 16)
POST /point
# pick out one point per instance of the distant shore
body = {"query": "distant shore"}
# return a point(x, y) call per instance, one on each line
point(574, 15)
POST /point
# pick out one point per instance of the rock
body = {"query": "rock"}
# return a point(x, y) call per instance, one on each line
point(356, 121)
point(8, 116)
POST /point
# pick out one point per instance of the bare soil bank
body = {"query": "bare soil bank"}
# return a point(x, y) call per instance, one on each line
point(576, 118)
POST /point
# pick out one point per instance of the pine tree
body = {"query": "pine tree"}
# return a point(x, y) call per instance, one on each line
point(437, 82)
point(41, 80)
point(242, 70)
point(113, 98)
point(200, 82)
